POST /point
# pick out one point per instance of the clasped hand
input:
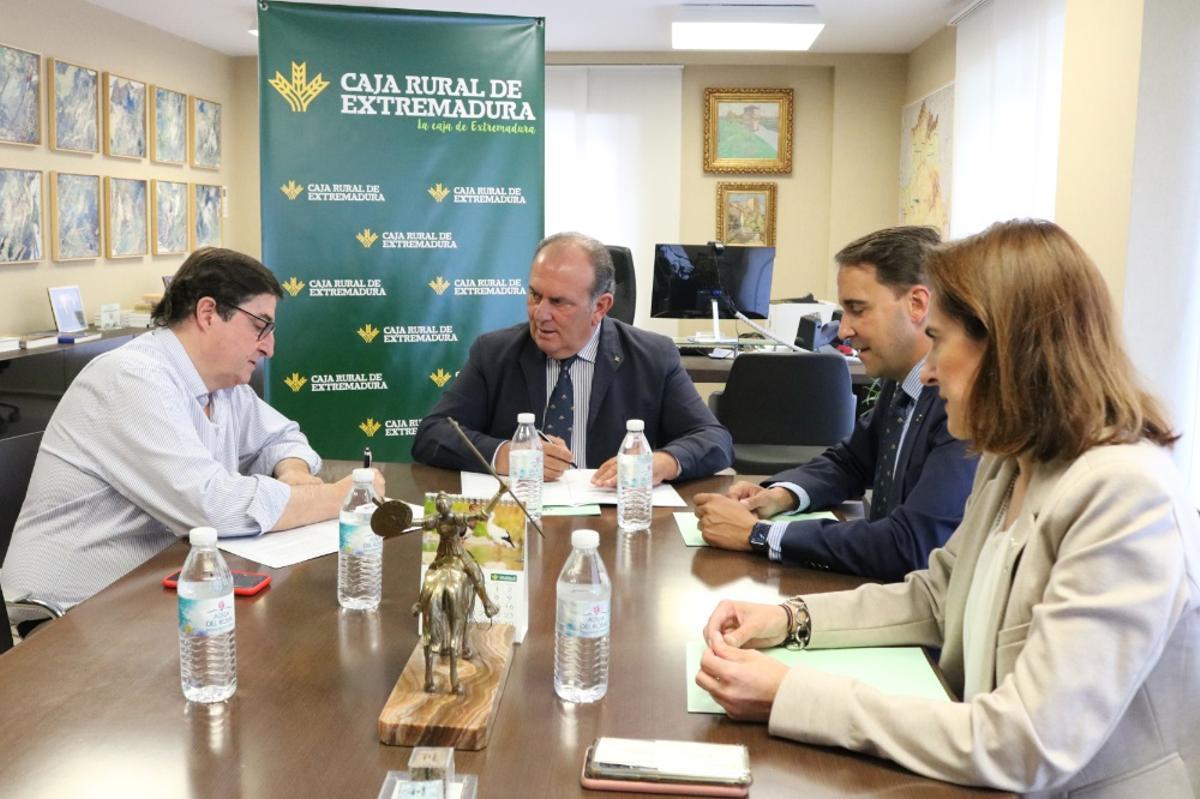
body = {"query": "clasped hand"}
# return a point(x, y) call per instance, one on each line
point(742, 681)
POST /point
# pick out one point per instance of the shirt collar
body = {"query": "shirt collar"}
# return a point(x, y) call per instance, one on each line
point(588, 353)
point(911, 384)
point(181, 362)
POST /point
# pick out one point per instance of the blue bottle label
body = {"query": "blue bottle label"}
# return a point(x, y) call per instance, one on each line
point(357, 539)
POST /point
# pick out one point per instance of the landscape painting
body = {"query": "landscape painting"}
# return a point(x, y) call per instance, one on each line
point(124, 117)
point(125, 229)
point(74, 107)
point(20, 215)
point(748, 130)
point(74, 216)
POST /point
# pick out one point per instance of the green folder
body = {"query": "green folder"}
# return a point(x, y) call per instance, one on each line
point(898, 670)
point(689, 525)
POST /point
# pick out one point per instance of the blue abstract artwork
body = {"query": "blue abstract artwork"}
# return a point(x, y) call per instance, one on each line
point(206, 133)
point(206, 224)
point(20, 215)
point(75, 216)
point(170, 217)
point(126, 217)
point(73, 121)
point(20, 96)
point(168, 143)
point(125, 117)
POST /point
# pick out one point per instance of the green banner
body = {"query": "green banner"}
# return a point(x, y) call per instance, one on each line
point(402, 196)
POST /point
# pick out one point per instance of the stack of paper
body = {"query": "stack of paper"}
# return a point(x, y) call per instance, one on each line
point(573, 488)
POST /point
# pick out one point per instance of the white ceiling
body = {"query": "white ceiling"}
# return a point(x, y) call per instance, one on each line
point(851, 26)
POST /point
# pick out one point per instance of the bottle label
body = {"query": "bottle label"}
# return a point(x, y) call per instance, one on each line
point(583, 619)
point(635, 471)
point(525, 464)
point(357, 539)
point(206, 617)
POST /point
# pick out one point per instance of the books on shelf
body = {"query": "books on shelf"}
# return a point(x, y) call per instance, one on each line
point(78, 337)
point(42, 338)
point(10, 343)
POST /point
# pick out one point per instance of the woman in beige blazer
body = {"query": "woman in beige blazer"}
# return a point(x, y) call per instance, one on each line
point(1067, 603)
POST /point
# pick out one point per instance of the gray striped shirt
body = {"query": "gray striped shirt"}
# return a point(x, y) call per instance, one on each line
point(130, 462)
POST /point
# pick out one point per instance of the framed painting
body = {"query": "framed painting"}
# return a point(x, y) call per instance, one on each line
point(74, 107)
point(20, 96)
point(124, 217)
point(205, 213)
point(124, 117)
point(746, 214)
point(168, 217)
point(204, 133)
point(748, 130)
point(168, 126)
point(67, 305)
point(20, 215)
point(74, 216)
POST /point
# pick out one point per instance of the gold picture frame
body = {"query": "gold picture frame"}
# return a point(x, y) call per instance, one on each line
point(206, 204)
point(204, 133)
point(76, 216)
point(21, 102)
point(124, 103)
point(748, 130)
point(73, 106)
point(746, 214)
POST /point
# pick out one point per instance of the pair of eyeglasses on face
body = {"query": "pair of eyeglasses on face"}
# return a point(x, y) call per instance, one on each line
point(268, 324)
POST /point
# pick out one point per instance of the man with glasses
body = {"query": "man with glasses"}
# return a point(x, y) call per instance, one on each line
point(164, 434)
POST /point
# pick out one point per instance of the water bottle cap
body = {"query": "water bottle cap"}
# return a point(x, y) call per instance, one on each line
point(635, 426)
point(362, 475)
point(524, 418)
point(202, 537)
point(585, 539)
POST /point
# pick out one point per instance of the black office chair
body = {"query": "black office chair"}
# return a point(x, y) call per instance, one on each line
point(17, 456)
point(625, 290)
point(783, 408)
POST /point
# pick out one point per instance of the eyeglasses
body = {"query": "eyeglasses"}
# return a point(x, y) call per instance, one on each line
point(268, 324)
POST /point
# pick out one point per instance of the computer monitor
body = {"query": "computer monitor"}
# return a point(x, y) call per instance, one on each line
point(689, 277)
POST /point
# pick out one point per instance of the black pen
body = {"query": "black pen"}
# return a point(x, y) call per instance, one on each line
point(366, 457)
point(546, 438)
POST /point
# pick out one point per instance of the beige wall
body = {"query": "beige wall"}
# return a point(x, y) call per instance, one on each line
point(76, 31)
point(931, 66)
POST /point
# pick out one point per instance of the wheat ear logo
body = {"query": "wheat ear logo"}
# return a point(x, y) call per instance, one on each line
point(293, 286)
point(301, 91)
point(439, 285)
point(366, 238)
point(370, 427)
point(368, 333)
point(291, 189)
point(440, 378)
point(438, 192)
point(295, 382)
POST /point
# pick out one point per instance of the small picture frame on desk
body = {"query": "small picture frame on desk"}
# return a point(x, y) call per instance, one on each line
point(67, 305)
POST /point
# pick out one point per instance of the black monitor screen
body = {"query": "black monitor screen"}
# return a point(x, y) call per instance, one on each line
point(687, 277)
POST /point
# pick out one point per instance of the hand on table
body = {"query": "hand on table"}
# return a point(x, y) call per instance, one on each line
point(724, 523)
point(748, 625)
point(742, 681)
point(764, 502)
point(556, 458)
point(664, 467)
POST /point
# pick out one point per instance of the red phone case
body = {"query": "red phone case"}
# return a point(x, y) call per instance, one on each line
point(172, 581)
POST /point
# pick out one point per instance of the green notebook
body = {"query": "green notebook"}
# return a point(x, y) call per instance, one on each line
point(689, 525)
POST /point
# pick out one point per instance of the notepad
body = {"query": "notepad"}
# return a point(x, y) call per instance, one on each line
point(896, 670)
point(689, 525)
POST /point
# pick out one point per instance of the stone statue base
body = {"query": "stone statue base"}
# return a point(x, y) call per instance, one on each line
point(413, 717)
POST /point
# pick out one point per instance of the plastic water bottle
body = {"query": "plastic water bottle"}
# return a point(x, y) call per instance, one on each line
point(207, 643)
point(360, 551)
point(525, 465)
point(581, 631)
point(635, 479)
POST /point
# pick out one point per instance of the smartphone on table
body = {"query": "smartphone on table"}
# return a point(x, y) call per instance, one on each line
point(244, 583)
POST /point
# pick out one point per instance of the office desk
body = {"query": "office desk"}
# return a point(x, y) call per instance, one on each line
point(92, 704)
point(703, 369)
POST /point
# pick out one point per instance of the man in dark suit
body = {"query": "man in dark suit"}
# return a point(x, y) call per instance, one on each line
point(919, 474)
point(582, 375)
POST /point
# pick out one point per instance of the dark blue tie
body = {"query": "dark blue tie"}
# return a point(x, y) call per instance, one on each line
point(889, 453)
point(560, 409)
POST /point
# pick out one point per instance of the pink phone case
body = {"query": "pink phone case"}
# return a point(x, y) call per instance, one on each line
point(677, 788)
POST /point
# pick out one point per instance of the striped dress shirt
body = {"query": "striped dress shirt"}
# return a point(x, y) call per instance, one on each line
point(582, 369)
point(130, 462)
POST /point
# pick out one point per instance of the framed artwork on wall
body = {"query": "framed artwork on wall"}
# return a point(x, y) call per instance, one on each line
point(20, 96)
point(168, 126)
point(746, 214)
point(125, 217)
point(168, 217)
point(74, 107)
point(748, 130)
point(20, 215)
point(124, 117)
point(204, 133)
point(74, 216)
point(205, 213)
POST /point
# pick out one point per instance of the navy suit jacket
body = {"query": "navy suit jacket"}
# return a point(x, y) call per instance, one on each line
point(932, 482)
point(638, 375)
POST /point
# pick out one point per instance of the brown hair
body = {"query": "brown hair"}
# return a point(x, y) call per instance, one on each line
point(897, 253)
point(1054, 380)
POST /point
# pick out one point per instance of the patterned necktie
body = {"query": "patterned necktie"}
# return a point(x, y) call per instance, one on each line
point(889, 453)
point(560, 410)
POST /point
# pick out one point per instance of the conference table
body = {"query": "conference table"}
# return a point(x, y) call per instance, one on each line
point(91, 703)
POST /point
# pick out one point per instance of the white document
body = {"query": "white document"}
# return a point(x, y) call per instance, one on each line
point(573, 488)
point(288, 547)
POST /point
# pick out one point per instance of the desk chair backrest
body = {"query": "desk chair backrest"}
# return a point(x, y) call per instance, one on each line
point(17, 455)
point(625, 290)
point(787, 399)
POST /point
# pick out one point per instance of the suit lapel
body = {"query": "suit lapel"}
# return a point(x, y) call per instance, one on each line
point(915, 425)
point(533, 367)
point(610, 356)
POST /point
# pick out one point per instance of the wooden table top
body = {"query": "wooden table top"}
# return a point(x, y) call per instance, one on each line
point(92, 705)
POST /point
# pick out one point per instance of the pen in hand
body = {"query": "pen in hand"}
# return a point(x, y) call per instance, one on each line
point(546, 438)
point(366, 457)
